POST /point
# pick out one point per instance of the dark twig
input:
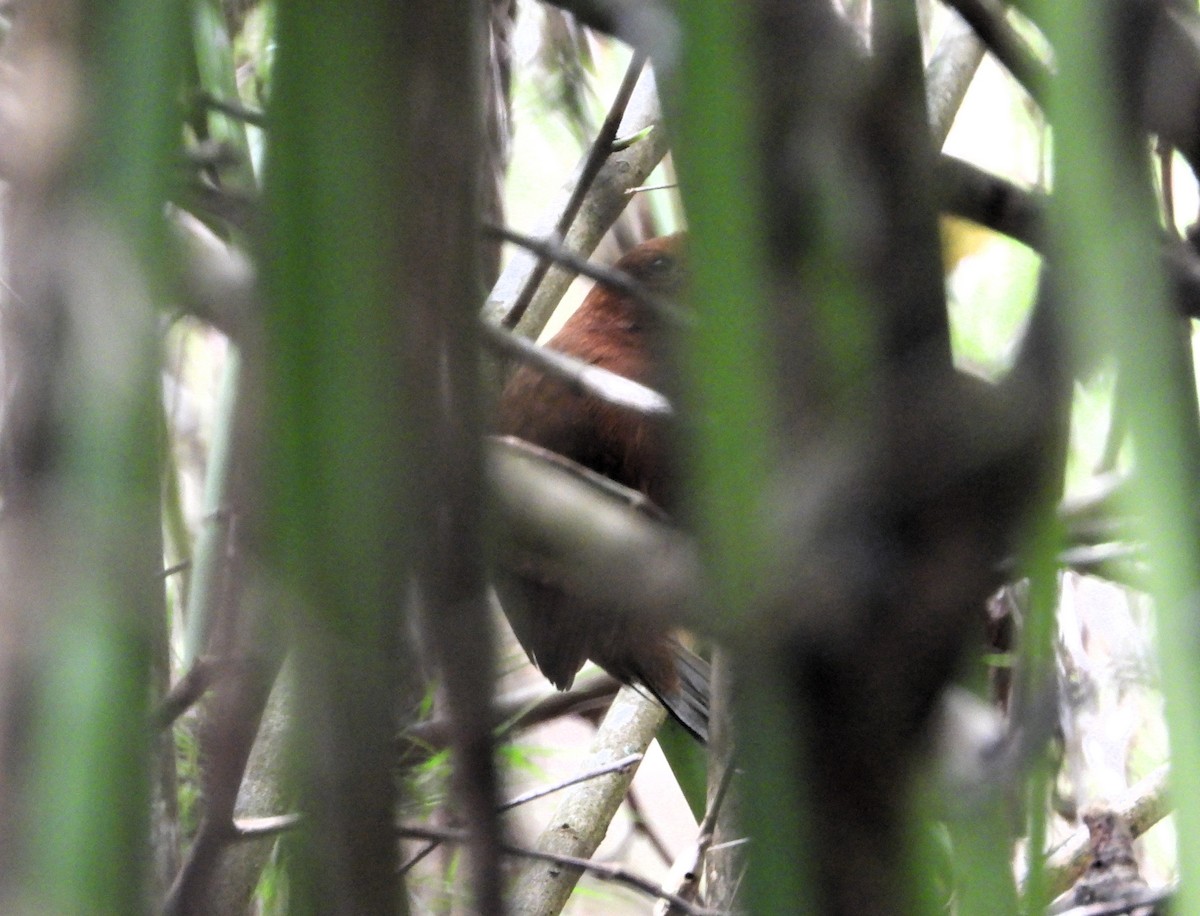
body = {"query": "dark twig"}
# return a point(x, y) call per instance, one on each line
point(972, 193)
point(600, 151)
point(187, 692)
point(234, 109)
point(617, 766)
point(601, 870)
point(177, 568)
point(994, 30)
point(619, 280)
point(641, 825)
point(709, 822)
point(686, 872)
point(518, 711)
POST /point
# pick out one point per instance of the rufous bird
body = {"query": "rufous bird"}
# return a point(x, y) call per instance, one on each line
point(560, 631)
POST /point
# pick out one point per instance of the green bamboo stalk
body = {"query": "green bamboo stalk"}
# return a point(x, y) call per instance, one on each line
point(729, 389)
point(91, 748)
point(347, 413)
point(1104, 238)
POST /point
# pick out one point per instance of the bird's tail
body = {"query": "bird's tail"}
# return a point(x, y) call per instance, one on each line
point(688, 700)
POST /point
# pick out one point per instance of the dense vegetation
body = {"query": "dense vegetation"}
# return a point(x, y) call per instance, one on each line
point(931, 392)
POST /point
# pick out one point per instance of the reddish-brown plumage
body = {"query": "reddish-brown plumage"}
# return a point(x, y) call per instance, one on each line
point(614, 332)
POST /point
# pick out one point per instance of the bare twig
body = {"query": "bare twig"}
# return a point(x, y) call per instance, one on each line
point(618, 280)
point(604, 871)
point(582, 818)
point(233, 108)
point(186, 692)
point(994, 30)
point(600, 151)
point(600, 209)
point(948, 76)
point(642, 189)
point(617, 766)
point(521, 710)
point(175, 569)
point(643, 826)
point(684, 879)
point(968, 191)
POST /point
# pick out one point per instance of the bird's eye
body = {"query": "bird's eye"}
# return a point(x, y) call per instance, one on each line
point(660, 264)
point(662, 269)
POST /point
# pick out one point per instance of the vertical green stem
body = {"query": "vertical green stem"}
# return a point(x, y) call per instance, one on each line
point(729, 390)
point(91, 746)
point(1105, 237)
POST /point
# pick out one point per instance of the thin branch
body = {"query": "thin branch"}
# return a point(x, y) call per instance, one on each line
point(684, 879)
point(617, 766)
point(519, 710)
point(620, 281)
point(641, 825)
point(997, 203)
point(643, 188)
point(604, 871)
point(711, 816)
point(600, 151)
point(948, 76)
point(234, 109)
point(580, 377)
point(989, 200)
point(187, 692)
point(991, 24)
point(174, 570)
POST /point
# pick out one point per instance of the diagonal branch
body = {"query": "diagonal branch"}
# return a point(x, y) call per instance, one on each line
point(990, 22)
point(602, 147)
